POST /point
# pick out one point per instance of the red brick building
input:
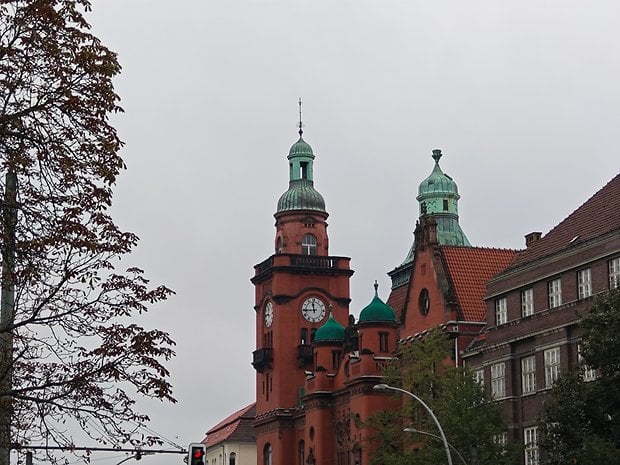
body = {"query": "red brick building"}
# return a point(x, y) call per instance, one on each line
point(533, 307)
point(315, 366)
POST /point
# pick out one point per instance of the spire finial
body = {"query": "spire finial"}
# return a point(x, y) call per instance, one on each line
point(301, 131)
point(436, 155)
point(376, 285)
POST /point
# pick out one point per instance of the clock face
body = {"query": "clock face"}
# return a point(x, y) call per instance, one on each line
point(313, 309)
point(268, 314)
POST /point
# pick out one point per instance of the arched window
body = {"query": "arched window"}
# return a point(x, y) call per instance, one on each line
point(308, 245)
point(302, 453)
point(232, 458)
point(279, 245)
point(267, 454)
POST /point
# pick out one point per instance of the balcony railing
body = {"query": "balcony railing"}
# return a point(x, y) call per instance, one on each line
point(262, 358)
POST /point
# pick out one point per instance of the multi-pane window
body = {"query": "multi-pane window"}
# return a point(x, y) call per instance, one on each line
point(584, 283)
point(530, 441)
point(498, 380)
point(501, 311)
point(588, 373)
point(527, 302)
point(501, 439)
point(528, 374)
point(552, 366)
point(614, 273)
point(555, 293)
point(308, 245)
point(478, 376)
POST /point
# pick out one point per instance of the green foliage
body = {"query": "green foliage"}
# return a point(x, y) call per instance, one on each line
point(79, 357)
point(582, 423)
point(470, 421)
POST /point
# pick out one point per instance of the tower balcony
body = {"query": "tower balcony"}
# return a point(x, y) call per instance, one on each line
point(305, 355)
point(262, 358)
point(302, 264)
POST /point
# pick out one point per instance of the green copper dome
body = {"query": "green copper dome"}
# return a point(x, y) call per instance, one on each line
point(301, 194)
point(377, 310)
point(330, 331)
point(438, 182)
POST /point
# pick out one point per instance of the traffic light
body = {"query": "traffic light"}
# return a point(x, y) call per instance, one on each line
point(196, 453)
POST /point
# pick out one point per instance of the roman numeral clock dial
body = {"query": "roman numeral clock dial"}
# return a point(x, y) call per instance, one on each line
point(313, 309)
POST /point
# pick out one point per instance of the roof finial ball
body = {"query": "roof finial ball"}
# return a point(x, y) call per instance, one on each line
point(376, 286)
point(436, 154)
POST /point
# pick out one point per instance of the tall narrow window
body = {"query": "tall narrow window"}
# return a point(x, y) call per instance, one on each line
point(302, 453)
point(479, 376)
point(279, 245)
point(336, 356)
point(552, 366)
point(587, 372)
point(267, 454)
point(584, 283)
point(501, 311)
point(232, 459)
point(527, 302)
point(308, 245)
point(528, 374)
point(614, 273)
point(383, 342)
point(555, 293)
point(530, 441)
point(498, 380)
point(304, 169)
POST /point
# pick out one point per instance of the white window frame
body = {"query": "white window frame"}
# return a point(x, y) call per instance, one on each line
point(530, 441)
point(552, 366)
point(588, 373)
point(498, 380)
point(501, 311)
point(528, 374)
point(501, 439)
point(527, 302)
point(309, 244)
point(584, 283)
point(479, 376)
point(555, 292)
point(614, 273)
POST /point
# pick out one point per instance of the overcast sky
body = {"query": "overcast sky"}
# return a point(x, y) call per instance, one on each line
point(521, 96)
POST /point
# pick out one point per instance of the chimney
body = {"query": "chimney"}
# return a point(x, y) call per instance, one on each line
point(532, 237)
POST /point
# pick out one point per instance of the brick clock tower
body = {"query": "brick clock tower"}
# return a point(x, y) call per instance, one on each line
point(296, 290)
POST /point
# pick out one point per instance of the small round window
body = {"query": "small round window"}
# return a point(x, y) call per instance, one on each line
point(424, 302)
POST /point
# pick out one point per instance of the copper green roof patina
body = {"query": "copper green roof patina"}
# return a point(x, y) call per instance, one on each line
point(377, 310)
point(330, 331)
point(438, 195)
point(301, 194)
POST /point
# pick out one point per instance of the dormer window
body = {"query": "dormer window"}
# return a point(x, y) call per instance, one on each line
point(308, 245)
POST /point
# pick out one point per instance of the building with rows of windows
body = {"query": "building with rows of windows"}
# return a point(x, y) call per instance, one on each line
point(513, 316)
point(532, 332)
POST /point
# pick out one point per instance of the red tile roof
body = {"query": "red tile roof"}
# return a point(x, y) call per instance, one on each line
point(469, 269)
point(237, 427)
point(598, 215)
point(397, 300)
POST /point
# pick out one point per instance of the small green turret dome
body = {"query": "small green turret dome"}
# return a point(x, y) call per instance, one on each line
point(438, 181)
point(301, 194)
point(330, 331)
point(377, 310)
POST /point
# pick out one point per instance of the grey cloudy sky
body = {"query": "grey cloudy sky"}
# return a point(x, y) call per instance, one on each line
point(521, 96)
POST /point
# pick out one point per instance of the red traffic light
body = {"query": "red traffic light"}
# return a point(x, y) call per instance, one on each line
point(197, 453)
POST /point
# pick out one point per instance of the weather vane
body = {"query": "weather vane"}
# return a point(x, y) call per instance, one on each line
point(301, 131)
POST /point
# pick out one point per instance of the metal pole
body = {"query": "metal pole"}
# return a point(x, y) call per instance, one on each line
point(383, 387)
point(426, 433)
point(7, 312)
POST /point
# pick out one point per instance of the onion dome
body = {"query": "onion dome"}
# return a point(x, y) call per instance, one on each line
point(301, 194)
point(438, 182)
point(331, 331)
point(377, 310)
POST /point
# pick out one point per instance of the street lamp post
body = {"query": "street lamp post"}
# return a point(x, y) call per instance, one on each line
point(386, 387)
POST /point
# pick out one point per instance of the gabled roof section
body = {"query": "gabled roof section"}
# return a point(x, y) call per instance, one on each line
point(235, 428)
point(469, 268)
point(597, 216)
point(397, 300)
